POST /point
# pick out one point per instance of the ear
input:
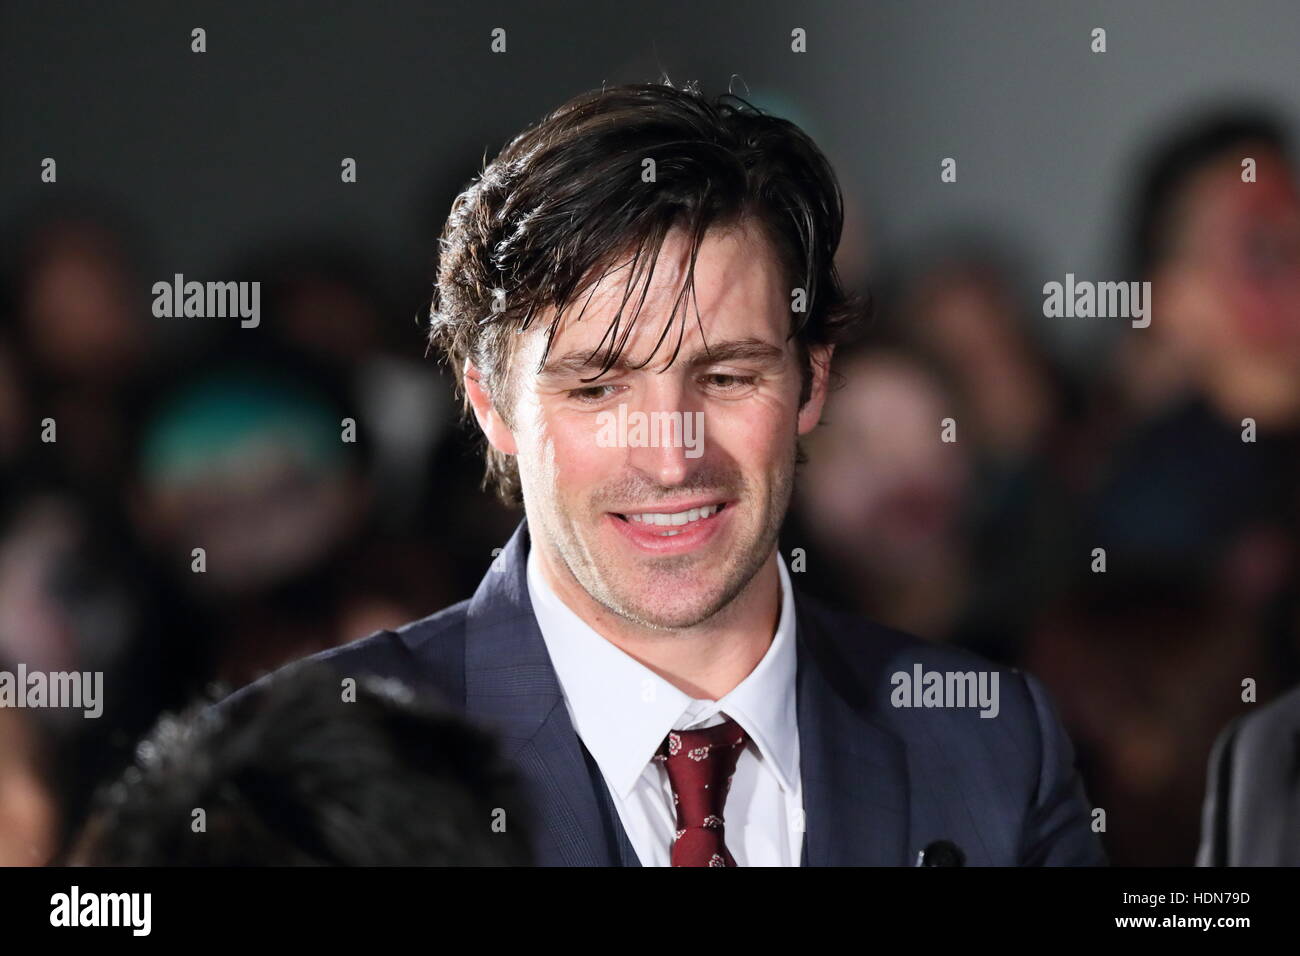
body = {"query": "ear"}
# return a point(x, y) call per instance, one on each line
point(498, 434)
point(820, 358)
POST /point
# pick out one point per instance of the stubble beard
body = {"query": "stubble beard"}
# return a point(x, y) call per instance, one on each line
point(596, 572)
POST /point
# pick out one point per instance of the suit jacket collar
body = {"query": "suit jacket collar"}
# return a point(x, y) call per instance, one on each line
point(853, 768)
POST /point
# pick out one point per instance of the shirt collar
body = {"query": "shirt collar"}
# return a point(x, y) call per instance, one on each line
point(622, 710)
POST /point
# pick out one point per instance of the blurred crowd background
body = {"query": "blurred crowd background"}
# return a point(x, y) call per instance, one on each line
point(1073, 434)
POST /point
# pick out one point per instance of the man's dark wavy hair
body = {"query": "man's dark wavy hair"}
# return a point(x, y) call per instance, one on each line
point(564, 204)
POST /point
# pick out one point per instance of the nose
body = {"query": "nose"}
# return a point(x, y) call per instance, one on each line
point(669, 425)
point(666, 466)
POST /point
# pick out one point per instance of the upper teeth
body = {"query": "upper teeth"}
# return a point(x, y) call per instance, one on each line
point(680, 517)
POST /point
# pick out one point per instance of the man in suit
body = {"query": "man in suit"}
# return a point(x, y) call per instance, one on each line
point(639, 298)
point(1252, 804)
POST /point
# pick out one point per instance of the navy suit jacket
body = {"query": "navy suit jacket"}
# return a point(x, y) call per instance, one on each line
point(880, 783)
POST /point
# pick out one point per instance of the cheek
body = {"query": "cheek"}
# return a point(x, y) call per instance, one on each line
point(1266, 313)
point(756, 435)
point(1199, 305)
point(563, 452)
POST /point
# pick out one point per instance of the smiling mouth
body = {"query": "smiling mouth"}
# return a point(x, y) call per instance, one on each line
point(667, 524)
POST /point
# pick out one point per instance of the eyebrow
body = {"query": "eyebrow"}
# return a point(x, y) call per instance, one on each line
point(752, 350)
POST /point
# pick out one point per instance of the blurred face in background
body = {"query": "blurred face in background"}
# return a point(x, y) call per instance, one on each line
point(251, 469)
point(78, 306)
point(880, 487)
point(659, 537)
point(968, 318)
point(1229, 296)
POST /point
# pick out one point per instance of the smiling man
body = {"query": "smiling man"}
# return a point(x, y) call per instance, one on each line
point(645, 255)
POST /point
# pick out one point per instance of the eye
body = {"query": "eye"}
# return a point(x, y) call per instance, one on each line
point(591, 394)
point(723, 382)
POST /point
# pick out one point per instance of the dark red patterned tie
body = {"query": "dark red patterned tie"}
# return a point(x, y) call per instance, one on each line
point(700, 764)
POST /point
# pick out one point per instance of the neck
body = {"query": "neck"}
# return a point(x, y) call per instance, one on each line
point(706, 660)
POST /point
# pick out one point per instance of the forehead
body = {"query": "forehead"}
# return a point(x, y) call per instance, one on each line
point(741, 292)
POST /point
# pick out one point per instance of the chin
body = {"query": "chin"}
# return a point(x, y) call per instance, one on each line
point(656, 618)
point(670, 608)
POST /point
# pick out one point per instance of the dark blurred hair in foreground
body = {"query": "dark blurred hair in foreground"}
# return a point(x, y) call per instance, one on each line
point(294, 775)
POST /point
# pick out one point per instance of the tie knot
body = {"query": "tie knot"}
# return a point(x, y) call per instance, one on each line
point(720, 742)
point(700, 764)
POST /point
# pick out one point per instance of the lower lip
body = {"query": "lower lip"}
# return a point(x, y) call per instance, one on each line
point(689, 537)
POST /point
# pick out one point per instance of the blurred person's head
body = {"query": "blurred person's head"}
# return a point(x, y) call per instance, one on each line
point(29, 818)
point(880, 482)
point(965, 314)
point(254, 463)
point(884, 495)
point(1223, 256)
point(326, 300)
point(82, 317)
point(646, 247)
point(297, 775)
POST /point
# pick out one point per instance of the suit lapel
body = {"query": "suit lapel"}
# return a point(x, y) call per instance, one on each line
point(854, 770)
point(510, 685)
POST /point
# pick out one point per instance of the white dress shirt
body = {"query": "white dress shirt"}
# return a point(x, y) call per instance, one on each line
point(622, 711)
